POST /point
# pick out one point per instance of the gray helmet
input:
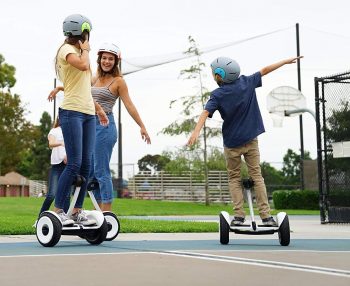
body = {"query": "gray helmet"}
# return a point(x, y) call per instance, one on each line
point(227, 68)
point(76, 24)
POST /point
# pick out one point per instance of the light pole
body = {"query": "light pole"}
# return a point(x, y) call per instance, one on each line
point(120, 148)
point(300, 116)
point(54, 102)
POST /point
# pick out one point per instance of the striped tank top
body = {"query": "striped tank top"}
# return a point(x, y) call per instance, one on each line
point(103, 96)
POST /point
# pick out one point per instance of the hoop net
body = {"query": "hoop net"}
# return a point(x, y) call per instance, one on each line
point(277, 119)
point(282, 99)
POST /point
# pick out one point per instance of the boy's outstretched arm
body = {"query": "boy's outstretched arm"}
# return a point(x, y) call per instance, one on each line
point(198, 128)
point(270, 68)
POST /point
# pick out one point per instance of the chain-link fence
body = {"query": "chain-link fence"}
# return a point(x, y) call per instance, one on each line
point(332, 101)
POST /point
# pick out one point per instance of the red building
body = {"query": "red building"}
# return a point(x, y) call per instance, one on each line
point(14, 185)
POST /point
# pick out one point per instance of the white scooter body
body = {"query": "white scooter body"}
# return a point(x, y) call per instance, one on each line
point(252, 228)
point(110, 217)
point(257, 229)
point(49, 227)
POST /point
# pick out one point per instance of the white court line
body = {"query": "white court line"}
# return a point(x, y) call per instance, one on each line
point(230, 259)
point(262, 263)
point(72, 254)
point(276, 250)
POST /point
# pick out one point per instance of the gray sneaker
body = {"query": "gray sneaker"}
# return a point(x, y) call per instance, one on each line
point(80, 217)
point(65, 219)
point(269, 221)
point(237, 221)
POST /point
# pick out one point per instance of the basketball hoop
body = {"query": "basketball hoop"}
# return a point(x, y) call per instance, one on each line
point(282, 99)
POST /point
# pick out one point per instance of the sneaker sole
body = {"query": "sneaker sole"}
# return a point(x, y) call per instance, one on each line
point(237, 224)
point(68, 223)
point(270, 224)
point(90, 223)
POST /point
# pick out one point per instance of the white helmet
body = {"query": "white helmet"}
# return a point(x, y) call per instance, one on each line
point(109, 48)
point(227, 68)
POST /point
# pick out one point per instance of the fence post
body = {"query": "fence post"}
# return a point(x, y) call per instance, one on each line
point(191, 187)
point(220, 188)
point(161, 184)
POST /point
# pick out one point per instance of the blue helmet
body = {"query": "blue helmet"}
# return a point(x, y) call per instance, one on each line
point(226, 68)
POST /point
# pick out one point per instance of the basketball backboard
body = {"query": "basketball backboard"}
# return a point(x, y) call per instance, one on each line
point(341, 149)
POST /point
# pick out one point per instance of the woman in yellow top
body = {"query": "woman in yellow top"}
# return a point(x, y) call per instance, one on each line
point(77, 113)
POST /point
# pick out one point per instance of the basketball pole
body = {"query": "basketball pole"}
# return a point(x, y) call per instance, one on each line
point(302, 185)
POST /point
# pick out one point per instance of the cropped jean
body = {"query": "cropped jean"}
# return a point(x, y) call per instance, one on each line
point(79, 139)
point(55, 173)
point(106, 137)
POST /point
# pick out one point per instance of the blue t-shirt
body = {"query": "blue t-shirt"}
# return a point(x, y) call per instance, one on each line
point(238, 107)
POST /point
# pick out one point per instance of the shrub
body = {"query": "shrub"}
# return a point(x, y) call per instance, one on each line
point(296, 199)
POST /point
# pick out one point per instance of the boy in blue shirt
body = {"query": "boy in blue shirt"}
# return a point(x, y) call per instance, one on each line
point(236, 101)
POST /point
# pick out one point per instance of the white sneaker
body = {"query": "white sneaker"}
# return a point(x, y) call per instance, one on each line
point(34, 225)
point(80, 217)
point(65, 219)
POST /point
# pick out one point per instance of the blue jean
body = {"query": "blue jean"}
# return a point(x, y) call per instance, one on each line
point(79, 139)
point(55, 173)
point(106, 137)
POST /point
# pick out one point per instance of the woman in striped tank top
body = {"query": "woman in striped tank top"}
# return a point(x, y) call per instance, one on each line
point(107, 86)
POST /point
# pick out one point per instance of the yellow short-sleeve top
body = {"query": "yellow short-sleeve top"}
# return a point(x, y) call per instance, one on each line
point(76, 83)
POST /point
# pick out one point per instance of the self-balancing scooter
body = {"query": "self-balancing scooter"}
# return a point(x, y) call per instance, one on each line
point(49, 227)
point(253, 229)
point(112, 220)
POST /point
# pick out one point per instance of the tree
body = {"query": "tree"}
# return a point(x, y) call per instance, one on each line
point(7, 74)
point(339, 130)
point(184, 160)
point(153, 163)
point(193, 105)
point(291, 166)
point(15, 131)
point(216, 160)
point(339, 123)
point(35, 162)
point(41, 150)
point(181, 161)
point(271, 175)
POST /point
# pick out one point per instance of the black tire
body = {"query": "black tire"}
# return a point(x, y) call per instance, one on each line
point(284, 232)
point(254, 225)
point(99, 235)
point(113, 225)
point(224, 230)
point(48, 229)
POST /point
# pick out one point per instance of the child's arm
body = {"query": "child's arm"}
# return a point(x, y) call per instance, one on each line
point(54, 92)
point(270, 68)
point(53, 142)
point(198, 128)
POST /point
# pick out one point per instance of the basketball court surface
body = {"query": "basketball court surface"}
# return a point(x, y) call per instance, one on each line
point(317, 255)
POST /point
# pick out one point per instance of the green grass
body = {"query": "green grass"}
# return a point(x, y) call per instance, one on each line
point(17, 215)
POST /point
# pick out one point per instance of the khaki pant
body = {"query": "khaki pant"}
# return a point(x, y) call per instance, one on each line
point(251, 154)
